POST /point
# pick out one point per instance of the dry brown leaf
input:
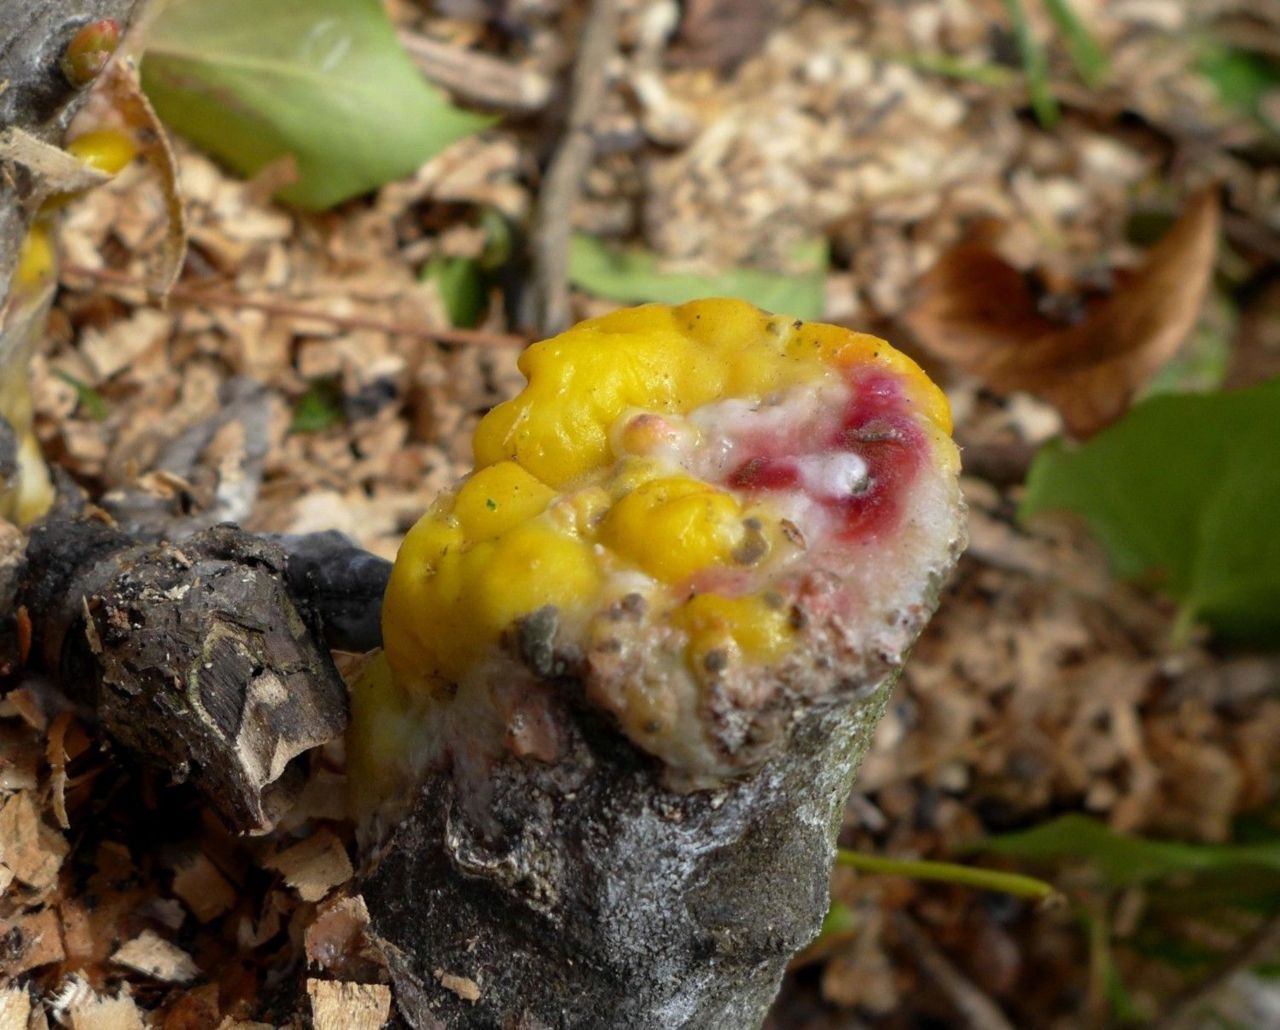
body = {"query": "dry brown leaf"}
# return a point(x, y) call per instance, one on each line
point(978, 312)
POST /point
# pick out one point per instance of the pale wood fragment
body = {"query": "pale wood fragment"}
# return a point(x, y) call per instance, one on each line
point(31, 939)
point(153, 956)
point(97, 1012)
point(204, 890)
point(31, 850)
point(315, 866)
point(15, 1007)
point(348, 1006)
point(464, 987)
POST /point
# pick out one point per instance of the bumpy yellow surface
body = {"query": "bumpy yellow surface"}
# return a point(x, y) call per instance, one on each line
point(29, 497)
point(561, 500)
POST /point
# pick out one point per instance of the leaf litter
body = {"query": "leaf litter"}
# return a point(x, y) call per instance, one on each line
point(1043, 686)
point(988, 318)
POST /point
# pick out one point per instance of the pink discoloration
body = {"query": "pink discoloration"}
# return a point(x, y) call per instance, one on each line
point(878, 427)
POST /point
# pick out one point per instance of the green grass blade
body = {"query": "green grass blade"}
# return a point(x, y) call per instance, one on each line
point(1089, 60)
point(947, 872)
point(1035, 65)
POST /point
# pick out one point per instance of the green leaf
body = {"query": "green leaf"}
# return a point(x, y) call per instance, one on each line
point(633, 276)
point(1089, 60)
point(1124, 860)
point(461, 286)
point(323, 80)
point(319, 408)
point(1184, 494)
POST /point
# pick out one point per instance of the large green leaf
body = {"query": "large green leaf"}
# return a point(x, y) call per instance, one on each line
point(1184, 493)
point(633, 276)
point(1124, 860)
point(323, 80)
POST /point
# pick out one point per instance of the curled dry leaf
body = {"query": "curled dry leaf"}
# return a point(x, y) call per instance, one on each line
point(122, 86)
point(979, 312)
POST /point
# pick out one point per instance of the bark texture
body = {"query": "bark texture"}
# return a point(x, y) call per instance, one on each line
point(37, 96)
point(193, 656)
point(586, 895)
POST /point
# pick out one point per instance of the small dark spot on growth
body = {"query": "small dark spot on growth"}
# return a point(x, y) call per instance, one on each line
point(715, 661)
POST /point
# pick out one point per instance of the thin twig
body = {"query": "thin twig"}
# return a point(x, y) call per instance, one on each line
point(200, 295)
point(563, 182)
point(478, 77)
point(1253, 949)
point(976, 1010)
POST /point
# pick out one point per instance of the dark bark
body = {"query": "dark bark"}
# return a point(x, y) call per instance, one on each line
point(193, 656)
point(37, 97)
point(587, 895)
point(342, 583)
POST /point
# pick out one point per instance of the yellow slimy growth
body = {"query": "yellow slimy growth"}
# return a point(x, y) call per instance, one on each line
point(733, 626)
point(466, 571)
point(30, 496)
point(673, 528)
point(107, 150)
point(35, 260)
point(572, 491)
point(667, 359)
point(31, 493)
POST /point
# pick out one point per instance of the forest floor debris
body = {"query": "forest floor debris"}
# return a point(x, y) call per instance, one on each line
point(1041, 687)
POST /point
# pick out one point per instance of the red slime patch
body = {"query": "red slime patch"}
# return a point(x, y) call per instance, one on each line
point(877, 426)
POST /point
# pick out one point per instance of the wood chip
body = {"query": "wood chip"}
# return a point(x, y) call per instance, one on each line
point(29, 941)
point(464, 987)
point(25, 704)
point(15, 1007)
point(33, 851)
point(315, 866)
point(103, 1013)
point(204, 890)
point(153, 956)
point(348, 1006)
